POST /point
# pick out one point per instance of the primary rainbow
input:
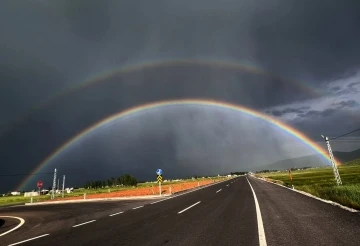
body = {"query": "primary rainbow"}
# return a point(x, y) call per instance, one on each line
point(152, 105)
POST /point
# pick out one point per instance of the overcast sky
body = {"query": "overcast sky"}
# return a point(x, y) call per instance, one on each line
point(307, 51)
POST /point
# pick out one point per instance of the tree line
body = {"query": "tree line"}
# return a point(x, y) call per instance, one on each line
point(124, 180)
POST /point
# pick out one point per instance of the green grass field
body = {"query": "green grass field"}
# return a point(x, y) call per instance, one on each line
point(17, 200)
point(321, 183)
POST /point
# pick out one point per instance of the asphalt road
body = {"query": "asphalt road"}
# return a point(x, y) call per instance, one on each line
point(221, 214)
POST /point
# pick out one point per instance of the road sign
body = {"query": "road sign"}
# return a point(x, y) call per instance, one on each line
point(159, 179)
point(159, 172)
point(39, 184)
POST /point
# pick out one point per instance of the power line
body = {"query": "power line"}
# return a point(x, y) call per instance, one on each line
point(346, 133)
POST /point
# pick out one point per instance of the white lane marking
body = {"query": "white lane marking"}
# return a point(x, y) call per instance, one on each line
point(161, 200)
point(27, 240)
point(189, 207)
point(227, 185)
point(206, 186)
point(84, 223)
point(22, 221)
point(138, 207)
point(218, 190)
point(116, 213)
point(261, 232)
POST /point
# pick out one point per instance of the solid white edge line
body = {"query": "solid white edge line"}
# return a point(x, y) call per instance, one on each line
point(189, 207)
point(84, 223)
point(29, 239)
point(314, 197)
point(218, 190)
point(116, 214)
point(22, 221)
point(138, 207)
point(261, 232)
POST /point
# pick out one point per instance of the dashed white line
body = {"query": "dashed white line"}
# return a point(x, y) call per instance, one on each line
point(201, 187)
point(138, 207)
point(116, 214)
point(22, 221)
point(27, 240)
point(84, 223)
point(162, 200)
point(227, 185)
point(218, 190)
point(189, 207)
point(261, 232)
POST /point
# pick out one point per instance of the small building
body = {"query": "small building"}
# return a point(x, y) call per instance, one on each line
point(30, 194)
point(15, 193)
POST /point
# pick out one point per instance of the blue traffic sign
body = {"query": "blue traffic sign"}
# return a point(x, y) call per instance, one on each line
point(159, 172)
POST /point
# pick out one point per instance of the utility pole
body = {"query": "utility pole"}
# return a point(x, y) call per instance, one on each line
point(58, 186)
point(63, 186)
point(54, 185)
point(332, 159)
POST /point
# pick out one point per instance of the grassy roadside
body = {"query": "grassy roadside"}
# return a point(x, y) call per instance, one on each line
point(18, 200)
point(320, 182)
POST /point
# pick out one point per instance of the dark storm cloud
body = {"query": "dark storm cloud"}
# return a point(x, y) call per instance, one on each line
point(315, 114)
point(48, 46)
point(335, 88)
point(82, 38)
point(346, 91)
point(346, 104)
point(335, 124)
point(279, 113)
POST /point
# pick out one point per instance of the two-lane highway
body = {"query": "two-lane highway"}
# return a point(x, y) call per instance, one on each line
point(221, 214)
point(185, 220)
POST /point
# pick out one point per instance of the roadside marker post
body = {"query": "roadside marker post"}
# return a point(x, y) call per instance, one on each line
point(159, 179)
point(290, 175)
point(160, 188)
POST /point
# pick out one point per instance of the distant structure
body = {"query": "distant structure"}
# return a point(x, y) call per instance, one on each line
point(15, 193)
point(54, 186)
point(30, 194)
point(332, 159)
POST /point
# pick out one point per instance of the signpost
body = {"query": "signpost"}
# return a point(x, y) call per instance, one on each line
point(159, 179)
point(39, 185)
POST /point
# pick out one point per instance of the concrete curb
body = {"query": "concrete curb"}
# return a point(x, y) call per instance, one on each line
point(100, 199)
point(125, 198)
point(312, 196)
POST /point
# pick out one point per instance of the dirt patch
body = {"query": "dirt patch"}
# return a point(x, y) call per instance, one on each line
point(145, 191)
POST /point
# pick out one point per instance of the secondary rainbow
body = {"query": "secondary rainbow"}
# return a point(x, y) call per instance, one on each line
point(102, 77)
point(297, 134)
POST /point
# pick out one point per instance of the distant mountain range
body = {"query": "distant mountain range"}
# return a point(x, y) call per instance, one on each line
point(310, 161)
point(347, 156)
